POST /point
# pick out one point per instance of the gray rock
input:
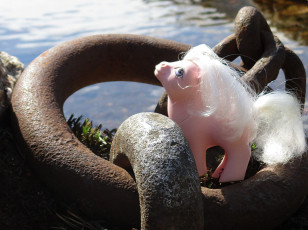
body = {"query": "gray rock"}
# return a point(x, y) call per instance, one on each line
point(154, 148)
point(10, 69)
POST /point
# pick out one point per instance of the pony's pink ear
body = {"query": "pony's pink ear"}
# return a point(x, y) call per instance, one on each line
point(194, 80)
point(197, 79)
point(197, 76)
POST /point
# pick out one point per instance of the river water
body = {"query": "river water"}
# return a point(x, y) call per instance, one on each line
point(28, 28)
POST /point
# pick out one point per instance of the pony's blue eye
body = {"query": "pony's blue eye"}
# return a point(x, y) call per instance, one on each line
point(179, 72)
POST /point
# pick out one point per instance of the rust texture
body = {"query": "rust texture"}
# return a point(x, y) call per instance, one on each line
point(262, 54)
point(102, 189)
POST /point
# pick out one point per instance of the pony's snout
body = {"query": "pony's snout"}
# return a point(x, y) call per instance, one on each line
point(164, 64)
point(162, 70)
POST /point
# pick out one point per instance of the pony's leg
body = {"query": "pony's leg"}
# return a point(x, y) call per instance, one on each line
point(235, 164)
point(198, 146)
point(221, 166)
point(200, 160)
point(199, 152)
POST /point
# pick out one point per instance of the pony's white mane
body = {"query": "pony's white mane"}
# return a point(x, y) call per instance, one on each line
point(272, 120)
point(225, 96)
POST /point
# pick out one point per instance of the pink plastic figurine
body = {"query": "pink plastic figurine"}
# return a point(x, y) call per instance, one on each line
point(213, 106)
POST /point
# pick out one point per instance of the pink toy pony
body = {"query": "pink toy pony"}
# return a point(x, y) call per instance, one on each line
point(213, 106)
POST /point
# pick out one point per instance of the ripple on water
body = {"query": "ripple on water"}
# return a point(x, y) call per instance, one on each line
point(28, 28)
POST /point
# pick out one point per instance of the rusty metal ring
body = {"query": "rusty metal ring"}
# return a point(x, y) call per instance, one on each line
point(260, 202)
point(101, 188)
point(262, 53)
point(295, 75)
point(265, 68)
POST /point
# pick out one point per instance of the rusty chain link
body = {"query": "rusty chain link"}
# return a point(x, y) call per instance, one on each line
point(103, 190)
point(262, 54)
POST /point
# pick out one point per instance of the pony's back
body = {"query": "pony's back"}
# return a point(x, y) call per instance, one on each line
point(272, 120)
point(225, 96)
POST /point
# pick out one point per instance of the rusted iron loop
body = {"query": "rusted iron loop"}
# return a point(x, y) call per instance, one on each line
point(102, 189)
point(154, 147)
point(262, 54)
point(271, 195)
point(295, 75)
point(266, 67)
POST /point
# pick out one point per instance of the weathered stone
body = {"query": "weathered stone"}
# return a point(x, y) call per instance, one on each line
point(164, 169)
point(12, 64)
point(10, 69)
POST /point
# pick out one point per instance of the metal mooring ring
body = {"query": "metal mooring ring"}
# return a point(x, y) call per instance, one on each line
point(150, 143)
point(263, 54)
point(101, 188)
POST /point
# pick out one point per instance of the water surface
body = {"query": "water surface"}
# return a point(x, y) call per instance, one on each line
point(28, 28)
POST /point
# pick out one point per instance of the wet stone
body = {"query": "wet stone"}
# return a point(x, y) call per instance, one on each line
point(10, 69)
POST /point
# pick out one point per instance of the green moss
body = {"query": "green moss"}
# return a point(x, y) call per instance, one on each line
point(97, 140)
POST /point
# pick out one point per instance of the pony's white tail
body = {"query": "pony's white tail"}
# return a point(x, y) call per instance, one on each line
point(280, 128)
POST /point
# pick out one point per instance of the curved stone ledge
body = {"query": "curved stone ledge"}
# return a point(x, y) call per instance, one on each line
point(165, 171)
